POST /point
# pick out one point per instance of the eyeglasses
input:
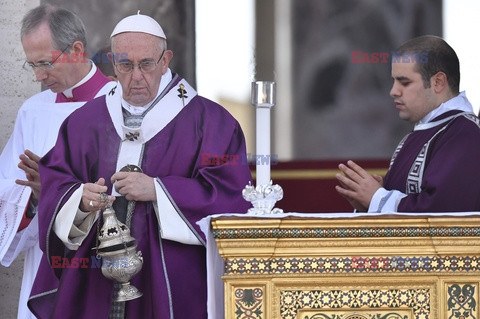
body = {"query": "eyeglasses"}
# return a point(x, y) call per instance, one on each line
point(146, 66)
point(45, 66)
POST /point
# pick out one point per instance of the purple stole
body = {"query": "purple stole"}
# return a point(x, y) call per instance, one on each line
point(436, 165)
point(415, 174)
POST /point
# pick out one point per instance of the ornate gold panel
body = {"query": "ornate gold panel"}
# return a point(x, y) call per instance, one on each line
point(356, 314)
point(247, 299)
point(374, 268)
point(462, 300)
point(412, 302)
point(249, 302)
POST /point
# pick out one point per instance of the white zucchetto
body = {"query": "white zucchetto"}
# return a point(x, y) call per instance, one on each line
point(139, 23)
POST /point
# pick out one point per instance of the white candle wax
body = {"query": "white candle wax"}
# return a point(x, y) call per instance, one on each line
point(263, 145)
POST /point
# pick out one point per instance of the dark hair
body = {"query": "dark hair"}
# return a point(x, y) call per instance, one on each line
point(440, 57)
point(65, 26)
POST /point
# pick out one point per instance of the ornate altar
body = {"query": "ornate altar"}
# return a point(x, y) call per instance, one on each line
point(337, 265)
point(376, 266)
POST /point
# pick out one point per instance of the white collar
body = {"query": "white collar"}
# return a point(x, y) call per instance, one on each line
point(459, 103)
point(69, 92)
point(138, 110)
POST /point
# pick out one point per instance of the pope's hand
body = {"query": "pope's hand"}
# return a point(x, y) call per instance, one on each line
point(134, 186)
point(92, 197)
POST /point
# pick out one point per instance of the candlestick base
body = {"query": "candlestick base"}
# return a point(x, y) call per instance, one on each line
point(263, 198)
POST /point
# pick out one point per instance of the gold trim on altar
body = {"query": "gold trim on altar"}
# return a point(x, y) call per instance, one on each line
point(381, 267)
point(313, 173)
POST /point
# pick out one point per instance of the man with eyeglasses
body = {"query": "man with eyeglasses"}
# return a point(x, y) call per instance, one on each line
point(155, 123)
point(51, 37)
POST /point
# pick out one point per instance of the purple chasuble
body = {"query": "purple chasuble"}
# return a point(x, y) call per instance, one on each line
point(86, 150)
point(87, 90)
point(450, 180)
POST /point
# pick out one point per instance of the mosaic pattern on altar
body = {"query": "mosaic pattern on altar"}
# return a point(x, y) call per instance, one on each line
point(361, 232)
point(418, 300)
point(351, 265)
point(248, 303)
point(462, 301)
point(355, 314)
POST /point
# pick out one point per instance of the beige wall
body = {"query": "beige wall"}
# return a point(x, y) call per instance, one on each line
point(15, 86)
point(15, 83)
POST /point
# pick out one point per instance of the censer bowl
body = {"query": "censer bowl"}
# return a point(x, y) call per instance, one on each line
point(120, 258)
point(121, 266)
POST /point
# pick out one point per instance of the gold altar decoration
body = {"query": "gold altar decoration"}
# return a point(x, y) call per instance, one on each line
point(350, 268)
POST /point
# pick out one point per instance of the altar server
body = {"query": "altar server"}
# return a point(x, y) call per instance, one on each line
point(435, 167)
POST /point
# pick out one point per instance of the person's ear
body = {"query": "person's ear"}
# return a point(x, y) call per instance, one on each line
point(77, 47)
point(439, 82)
point(167, 57)
point(114, 58)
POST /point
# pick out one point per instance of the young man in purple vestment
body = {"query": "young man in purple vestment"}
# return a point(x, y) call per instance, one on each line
point(49, 36)
point(435, 167)
point(156, 121)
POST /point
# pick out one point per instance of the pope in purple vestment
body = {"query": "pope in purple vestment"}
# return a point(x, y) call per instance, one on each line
point(170, 143)
point(173, 272)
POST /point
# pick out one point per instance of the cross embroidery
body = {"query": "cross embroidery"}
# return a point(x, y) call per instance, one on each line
point(112, 91)
point(132, 136)
point(183, 93)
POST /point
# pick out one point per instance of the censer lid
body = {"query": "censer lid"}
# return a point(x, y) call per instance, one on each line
point(114, 235)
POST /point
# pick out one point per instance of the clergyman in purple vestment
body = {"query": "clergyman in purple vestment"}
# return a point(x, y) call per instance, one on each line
point(153, 119)
point(435, 167)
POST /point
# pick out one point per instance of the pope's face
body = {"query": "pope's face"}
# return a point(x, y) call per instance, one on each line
point(140, 88)
point(409, 94)
point(38, 47)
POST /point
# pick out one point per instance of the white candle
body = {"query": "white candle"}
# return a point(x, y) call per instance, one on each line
point(263, 145)
point(263, 98)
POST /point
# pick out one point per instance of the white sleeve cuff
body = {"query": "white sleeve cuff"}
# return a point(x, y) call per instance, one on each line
point(24, 240)
point(71, 224)
point(171, 224)
point(14, 200)
point(385, 201)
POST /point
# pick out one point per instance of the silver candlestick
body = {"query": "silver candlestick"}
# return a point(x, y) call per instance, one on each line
point(264, 196)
